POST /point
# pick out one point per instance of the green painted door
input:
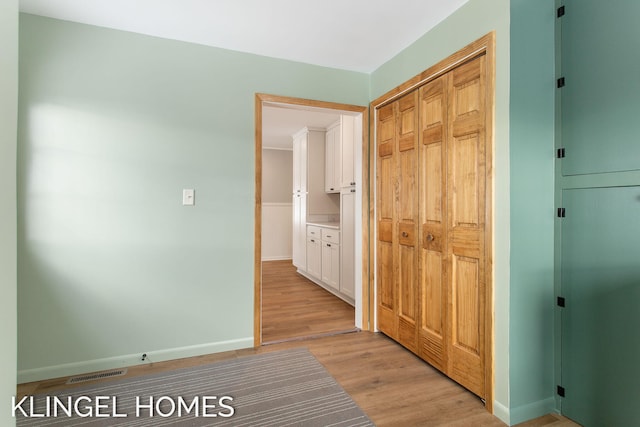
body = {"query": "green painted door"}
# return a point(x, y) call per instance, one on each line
point(600, 42)
point(601, 321)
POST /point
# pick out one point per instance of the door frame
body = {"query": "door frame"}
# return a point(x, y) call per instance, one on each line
point(260, 100)
point(483, 46)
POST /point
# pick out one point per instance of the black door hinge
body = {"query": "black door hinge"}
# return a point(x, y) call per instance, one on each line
point(560, 301)
point(560, 391)
point(560, 11)
point(561, 213)
point(560, 82)
point(560, 153)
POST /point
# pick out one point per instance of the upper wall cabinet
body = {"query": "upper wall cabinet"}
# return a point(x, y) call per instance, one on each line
point(347, 150)
point(300, 142)
point(340, 155)
point(332, 159)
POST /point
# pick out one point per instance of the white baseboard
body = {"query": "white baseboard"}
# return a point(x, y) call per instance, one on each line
point(68, 369)
point(502, 412)
point(277, 258)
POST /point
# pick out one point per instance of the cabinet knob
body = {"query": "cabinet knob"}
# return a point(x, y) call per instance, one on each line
point(430, 237)
point(331, 189)
point(353, 190)
point(329, 244)
point(353, 183)
point(313, 241)
point(405, 234)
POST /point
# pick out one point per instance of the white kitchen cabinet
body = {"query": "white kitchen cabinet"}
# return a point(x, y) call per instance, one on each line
point(314, 257)
point(340, 155)
point(300, 143)
point(331, 264)
point(299, 243)
point(331, 257)
point(332, 159)
point(347, 147)
point(324, 260)
point(309, 197)
point(348, 241)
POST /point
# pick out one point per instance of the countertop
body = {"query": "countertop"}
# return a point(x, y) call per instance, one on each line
point(333, 225)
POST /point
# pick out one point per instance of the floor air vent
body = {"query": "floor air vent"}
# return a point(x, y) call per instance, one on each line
point(97, 376)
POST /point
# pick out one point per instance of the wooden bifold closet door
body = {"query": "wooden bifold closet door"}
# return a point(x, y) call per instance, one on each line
point(431, 214)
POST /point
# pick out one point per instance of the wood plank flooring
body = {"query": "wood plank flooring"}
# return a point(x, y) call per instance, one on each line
point(391, 385)
point(295, 307)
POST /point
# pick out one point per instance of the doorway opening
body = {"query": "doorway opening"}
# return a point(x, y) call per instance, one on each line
point(293, 306)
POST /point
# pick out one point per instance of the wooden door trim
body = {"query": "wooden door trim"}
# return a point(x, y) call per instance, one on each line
point(483, 46)
point(260, 99)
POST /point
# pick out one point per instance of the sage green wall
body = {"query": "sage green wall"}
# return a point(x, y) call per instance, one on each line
point(8, 278)
point(472, 21)
point(531, 327)
point(113, 125)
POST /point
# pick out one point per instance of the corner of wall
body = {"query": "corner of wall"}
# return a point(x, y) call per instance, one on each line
point(8, 255)
point(532, 410)
point(502, 412)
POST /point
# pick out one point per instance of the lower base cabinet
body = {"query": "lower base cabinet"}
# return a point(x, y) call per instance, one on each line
point(314, 257)
point(331, 264)
point(324, 261)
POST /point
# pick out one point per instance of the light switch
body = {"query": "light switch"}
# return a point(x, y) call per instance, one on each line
point(188, 197)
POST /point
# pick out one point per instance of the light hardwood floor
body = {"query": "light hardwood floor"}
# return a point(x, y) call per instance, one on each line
point(295, 307)
point(389, 383)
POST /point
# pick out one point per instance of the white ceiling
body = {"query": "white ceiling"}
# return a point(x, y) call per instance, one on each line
point(357, 35)
point(279, 123)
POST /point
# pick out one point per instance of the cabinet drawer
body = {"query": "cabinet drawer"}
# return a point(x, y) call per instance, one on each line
point(330, 235)
point(313, 231)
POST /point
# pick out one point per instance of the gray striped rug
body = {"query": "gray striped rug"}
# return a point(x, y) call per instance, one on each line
point(285, 388)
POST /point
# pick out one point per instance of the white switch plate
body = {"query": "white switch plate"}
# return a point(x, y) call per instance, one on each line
point(188, 197)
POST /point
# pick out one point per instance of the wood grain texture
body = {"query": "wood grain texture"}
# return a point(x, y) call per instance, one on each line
point(455, 208)
point(257, 220)
point(295, 307)
point(391, 385)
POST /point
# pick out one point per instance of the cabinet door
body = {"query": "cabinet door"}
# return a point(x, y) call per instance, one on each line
point(347, 152)
point(300, 163)
point(331, 167)
point(348, 245)
point(299, 231)
point(314, 257)
point(331, 264)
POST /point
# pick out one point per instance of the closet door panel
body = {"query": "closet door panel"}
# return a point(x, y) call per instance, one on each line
point(386, 215)
point(409, 295)
point(466, 193)
point(432, 330)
